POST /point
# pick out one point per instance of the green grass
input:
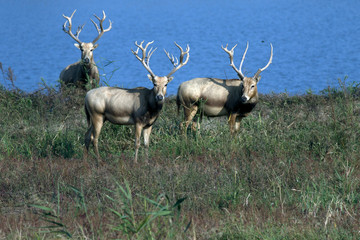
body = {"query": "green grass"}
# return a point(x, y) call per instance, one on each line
point(292, 172)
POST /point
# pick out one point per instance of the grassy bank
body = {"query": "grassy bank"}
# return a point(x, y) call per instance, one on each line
point(292, 172)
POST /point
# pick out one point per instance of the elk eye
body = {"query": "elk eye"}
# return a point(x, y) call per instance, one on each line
point(252, 86)
point(155, 85)
point(165, 85)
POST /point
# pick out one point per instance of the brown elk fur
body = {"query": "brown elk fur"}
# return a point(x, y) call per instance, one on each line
point(139, 106)
point(80, 73)
point(84, 71)
point(235, 98)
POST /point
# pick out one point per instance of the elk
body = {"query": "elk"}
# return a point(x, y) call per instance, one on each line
point(235, 98)
point(85, 70)
point(138, 106)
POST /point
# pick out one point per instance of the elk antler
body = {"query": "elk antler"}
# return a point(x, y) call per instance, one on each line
point(177, 65)
point(267, 65)
point(231, 55)
point(76, 36)
point(145, 60)
point(100, 30)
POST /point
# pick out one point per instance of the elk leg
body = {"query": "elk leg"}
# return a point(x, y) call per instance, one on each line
point(232, 119)
point(199, 121)
point(97, 125)
point(147, 132)
point(189, 116)
point(138, 129)
point(88, 140)
point(187, 112)
point(237, 123)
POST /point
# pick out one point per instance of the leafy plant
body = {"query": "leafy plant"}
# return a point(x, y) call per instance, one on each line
point(56, 225)
point(132, 222)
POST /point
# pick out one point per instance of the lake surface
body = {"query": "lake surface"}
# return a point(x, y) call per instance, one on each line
point(315, 41)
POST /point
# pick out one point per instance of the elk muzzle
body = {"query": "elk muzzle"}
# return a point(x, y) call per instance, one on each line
point(159, 98)
point(244, 99)
point(86, 60)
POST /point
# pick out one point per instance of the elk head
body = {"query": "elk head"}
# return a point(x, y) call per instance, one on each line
point(160, 83)
point(86, 48)
point(249, 84)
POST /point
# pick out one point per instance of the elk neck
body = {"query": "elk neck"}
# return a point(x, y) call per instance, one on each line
point(154, 104)
point(90, 67)
point(151, 106)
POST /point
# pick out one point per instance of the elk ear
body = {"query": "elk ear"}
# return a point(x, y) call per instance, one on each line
point(95, 46)
point(77, 45)
point(170, 79)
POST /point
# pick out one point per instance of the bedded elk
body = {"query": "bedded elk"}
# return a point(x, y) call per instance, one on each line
point(138, 106)
point(235, 98)
point(85, 70)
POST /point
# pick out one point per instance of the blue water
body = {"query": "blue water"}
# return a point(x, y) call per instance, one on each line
point(315, 41)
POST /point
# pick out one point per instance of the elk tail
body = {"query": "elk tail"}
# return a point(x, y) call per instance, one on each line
point(87, 116)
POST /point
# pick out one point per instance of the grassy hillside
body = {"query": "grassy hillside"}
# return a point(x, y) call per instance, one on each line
point(292, 172)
